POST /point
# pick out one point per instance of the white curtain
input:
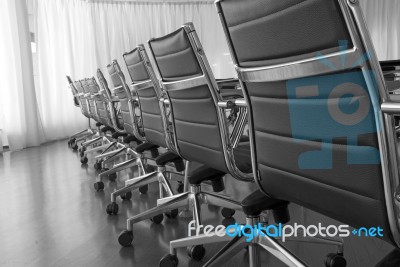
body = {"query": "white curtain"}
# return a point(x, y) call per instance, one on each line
point(383, 21)
point(19, 116)
point(75, 38)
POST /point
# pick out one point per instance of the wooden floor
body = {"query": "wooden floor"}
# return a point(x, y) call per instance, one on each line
point(50, 215)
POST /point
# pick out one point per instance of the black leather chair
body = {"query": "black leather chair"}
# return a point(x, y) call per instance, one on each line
point(321, 122)
point(79, 101)
point(125, 145)
point(145, 93)
point(198, 129)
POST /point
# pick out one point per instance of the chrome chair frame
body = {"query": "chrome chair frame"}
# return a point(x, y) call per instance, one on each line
point(79, 136)
point(163, 173)
point(229, 141)
point(194, 197)
point(384, 111)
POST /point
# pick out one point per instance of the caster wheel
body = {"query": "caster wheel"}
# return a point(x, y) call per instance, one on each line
point(112, 177)
point(99, 186)
point(97, 165)
point(75, 147)
point(143, 190)
point(69, 143)
point(227, 213)
point(112, 208)
point(335, 260)
point(126, 196)
point(169, 261)
point(157, 219)
point(196, 252)
point(179, 188)
point(82, 152)
point(84, 160)
point(125, 238)
point(172, 214)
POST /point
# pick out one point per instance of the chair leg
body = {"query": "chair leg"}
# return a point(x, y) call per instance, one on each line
point(108, 148)
point(272, 246)
point(234, 245)
point(125, 165)
point(137, 183)
point(196, 241)
point(338, 242)
point(93, 150)
point(174, 202)
point(111, 155)
point(75, 135)
point(91, 142)
point(221, 201)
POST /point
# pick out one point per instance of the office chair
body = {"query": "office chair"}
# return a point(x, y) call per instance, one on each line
point(125, 145)
point(102, 137)
point(197, 130)
point(155, 127)
point(321, 123)
point(100, 104)
point(78, 99)
point(254, 204)
point(91, 115)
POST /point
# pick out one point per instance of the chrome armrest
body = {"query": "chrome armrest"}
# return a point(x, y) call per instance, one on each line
point(392, 106)
point(232, 103)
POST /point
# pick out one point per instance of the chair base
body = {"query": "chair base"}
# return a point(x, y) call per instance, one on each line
point(189, 200)
point(258, 243)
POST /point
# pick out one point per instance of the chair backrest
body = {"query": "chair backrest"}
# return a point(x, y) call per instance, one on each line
point(113, 104)
point(314, 89)
point(127, 101)
point(201, 130)
point(82, 99)
point(74, 91)
point(91, 100)
point(144, 83)
point(101, 102)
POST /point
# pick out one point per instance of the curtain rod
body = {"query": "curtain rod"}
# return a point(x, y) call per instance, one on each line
point(132, 2)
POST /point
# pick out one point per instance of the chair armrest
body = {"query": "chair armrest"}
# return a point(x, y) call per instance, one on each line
point(241, 102)
point(392, 106)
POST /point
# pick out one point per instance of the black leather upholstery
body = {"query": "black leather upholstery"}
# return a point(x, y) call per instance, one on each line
point(194, 112)
point(101, 104)
point(123, 100)
point(269, 32)
point(175, 57)
point(83, 103)
point(91, 101)
point(282, 39)
point(149, 104)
